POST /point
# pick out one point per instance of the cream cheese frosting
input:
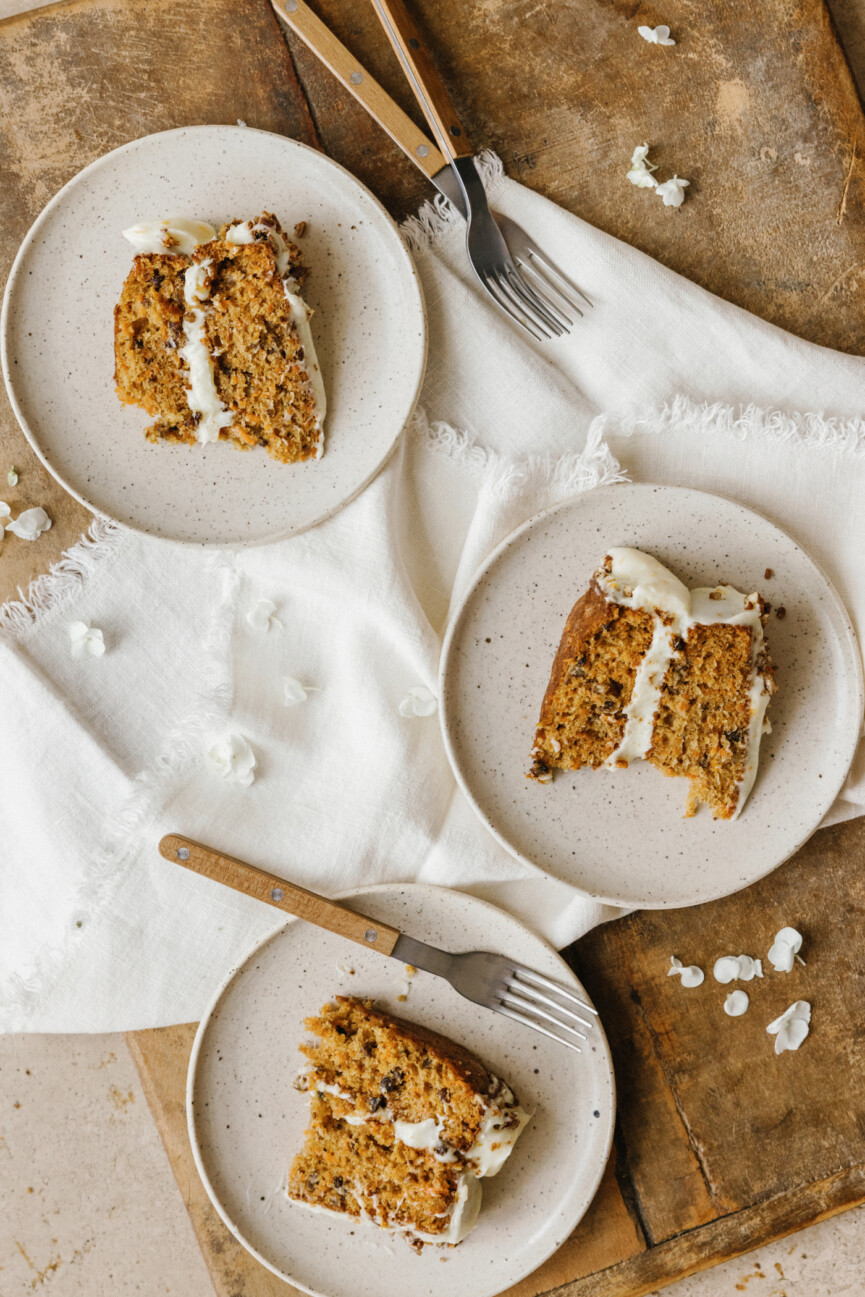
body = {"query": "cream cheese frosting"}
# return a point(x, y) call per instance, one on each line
point(175, 234)
point(201, 395)
point(638, 580)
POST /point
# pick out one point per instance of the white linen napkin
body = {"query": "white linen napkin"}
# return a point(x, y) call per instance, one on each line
point(102, 755)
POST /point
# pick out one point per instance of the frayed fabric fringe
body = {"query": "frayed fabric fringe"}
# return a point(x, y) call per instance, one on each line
point(744, 422)
point(437, 217)
point(506, 477)
point(51, 593)
point(181, 749)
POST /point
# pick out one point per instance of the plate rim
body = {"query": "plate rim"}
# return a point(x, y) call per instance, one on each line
point(291, 920)
point(851, 645)
point(15, 272)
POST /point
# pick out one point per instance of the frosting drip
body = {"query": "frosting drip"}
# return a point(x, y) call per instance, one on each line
point(637, 580)
point(245, 232)
point(202, 396)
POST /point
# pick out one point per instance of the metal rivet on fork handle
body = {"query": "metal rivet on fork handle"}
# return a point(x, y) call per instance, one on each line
point(370, 935)
point(183, 853)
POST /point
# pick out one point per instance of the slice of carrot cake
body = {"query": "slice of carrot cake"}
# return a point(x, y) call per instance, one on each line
point(404, 1125)
point(212, 338)
point(647, 669)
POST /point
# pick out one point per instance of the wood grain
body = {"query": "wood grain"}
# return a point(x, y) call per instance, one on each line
point(354, 78)
point(413, 53)
point(276, 892)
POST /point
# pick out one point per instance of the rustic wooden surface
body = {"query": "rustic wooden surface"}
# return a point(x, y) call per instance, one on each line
point(721, 1145)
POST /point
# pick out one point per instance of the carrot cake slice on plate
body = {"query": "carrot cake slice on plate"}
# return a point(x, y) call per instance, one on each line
point(212, 338)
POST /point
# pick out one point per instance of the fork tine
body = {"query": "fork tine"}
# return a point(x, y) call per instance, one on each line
point(515, 310)
point(551, 268)
point(529, 975)
point(536, 1026)
point(527, 291)
point(513, 303)
point(531, 993)
point(528, 1006)
point(511, 282)
point(528, 267)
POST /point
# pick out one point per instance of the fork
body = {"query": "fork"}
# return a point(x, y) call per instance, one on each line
point(492, 981)
point(531, 259)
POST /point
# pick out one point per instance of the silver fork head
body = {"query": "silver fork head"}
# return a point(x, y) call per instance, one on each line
point(531, 258)
point(523, 301)
point(530, 998)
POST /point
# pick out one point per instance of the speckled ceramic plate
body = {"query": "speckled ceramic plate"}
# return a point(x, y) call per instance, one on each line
point(620, 835)
point(58, 348)
point(246, 1121)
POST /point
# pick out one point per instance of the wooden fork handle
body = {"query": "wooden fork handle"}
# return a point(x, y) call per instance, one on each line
point(279, 893)
point(429, 89)
point(366, 90)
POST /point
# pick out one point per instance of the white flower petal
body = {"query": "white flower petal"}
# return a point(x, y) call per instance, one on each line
point(672, 191)
point(233, 759)
point(656, 35)
point(784, 949)
point(736, 1004)
point(419, 701)
point(293, 692)
point(260, 616)
point(642, 178)
point(30, 524)
point(726, 969)
point(792, 1027)
point(85, 641)
point(691, 976)
point(5, 511)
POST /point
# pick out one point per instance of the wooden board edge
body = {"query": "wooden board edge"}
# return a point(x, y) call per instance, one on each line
point(161, 1057)
point(724, 1239)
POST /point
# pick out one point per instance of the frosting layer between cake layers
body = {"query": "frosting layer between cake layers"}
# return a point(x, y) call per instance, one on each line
point(637, 580)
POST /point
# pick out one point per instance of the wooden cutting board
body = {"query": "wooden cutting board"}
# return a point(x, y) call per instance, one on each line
point(720, 1146)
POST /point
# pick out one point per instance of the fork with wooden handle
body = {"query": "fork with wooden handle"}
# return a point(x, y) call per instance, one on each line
point(492, 981)
point(528, 255)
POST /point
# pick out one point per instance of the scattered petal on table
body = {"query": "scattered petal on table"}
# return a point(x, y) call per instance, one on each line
point(656, 35)
point(30, 524)
point(672, 191)
point(234, 759)
point(419, 702)
point(260, 616)
point(784, 949)
point(12, 477)
point(792, 1027)
point(691, 976)
point(736, 1004)
point(730, 967)
point(85, 641)
point(641, 170)
point(5, 511)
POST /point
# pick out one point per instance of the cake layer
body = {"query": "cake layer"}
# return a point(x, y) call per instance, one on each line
point(647, 669)
point(212, 338)
point(400, 1115)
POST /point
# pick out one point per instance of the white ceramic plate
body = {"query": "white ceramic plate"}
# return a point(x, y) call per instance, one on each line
point(58, 345)
point(246, 1121)
point(620, 835)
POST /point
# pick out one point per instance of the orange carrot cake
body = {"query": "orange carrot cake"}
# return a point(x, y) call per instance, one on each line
point(649, 670)
point(212, 338)
point(404, 1125)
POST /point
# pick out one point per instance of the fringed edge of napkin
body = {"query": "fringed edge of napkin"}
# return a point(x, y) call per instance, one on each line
point(51, 593)
point(437, 217)
point(181, 748)
point(744, 422)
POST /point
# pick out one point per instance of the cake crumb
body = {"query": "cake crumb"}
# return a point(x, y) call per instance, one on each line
point(781, 613)
point(768, 574)
point(300, 229)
